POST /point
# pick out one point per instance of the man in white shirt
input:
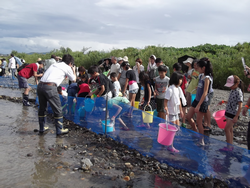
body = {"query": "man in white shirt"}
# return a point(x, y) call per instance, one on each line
point(47, 91)
point(115, 67)
point(12, 66)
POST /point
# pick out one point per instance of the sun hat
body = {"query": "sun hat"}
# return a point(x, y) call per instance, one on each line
point(153, 57)
point(230, 81)
point(39, 59)
point(189, 60)
point(119, 59)
point(125, 58)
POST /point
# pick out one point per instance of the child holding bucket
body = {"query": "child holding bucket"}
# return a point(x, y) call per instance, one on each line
point(234, 105)
point(172, 101)
point(200, 104)
point(149, 100)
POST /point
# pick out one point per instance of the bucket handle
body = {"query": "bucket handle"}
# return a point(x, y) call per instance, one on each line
point(149, 107)
point(167, 123)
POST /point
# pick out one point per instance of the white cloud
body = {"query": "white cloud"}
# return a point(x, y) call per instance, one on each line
point(103, 24)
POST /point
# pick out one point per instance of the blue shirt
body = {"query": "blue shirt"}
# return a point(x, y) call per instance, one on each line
point(200, 88)
point(72, 89)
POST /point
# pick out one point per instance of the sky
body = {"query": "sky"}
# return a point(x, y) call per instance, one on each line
point(41, 26)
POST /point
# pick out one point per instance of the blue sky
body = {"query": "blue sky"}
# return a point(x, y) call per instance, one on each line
point(41, 26)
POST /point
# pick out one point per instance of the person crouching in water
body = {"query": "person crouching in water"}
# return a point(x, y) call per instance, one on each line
point(47, 92)
point(83, 86)
point(26, 73)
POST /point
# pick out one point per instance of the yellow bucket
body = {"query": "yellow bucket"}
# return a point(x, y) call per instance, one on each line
point(147, 116)
point(137, 104)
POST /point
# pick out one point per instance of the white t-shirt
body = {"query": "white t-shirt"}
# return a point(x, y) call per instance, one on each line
point(12, 63)
point(173, 97)
point(115, 68)
point(57, 72)
point(141, 67)
point(117, 88)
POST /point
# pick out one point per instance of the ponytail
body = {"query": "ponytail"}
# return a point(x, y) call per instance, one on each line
point(205, 62)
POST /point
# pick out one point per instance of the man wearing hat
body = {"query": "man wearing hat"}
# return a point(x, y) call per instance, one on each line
point(115, 67)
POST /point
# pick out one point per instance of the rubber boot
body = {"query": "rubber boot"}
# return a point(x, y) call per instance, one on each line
point(42, 129)
point(26, 100)
point(59, 127)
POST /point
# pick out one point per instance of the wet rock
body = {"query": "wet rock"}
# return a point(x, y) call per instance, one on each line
point(29, 155)
point(131, 174)
point(75, 169)
point(164, 166)
point(86, 164)
point(128, 165)
point(126, 178)
point(209, 184)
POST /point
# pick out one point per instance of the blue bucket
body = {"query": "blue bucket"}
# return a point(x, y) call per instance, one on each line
point(109, 128)
point(249, 112)
point(193, 96)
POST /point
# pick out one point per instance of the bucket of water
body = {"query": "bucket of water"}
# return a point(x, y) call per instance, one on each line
point(110, 127)
point(89, 104)
point(166, 134)
point(220, 119)
point(147, 116)
point(137, 104)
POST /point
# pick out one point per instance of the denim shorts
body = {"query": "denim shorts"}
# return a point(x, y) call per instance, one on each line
point(23, 83)
point(203, 107)
point(134, 91)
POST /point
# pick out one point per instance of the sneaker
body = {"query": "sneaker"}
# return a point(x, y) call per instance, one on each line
point(184, 125)
point(45, 129)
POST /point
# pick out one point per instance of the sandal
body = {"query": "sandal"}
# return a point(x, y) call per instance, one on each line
point(124, 129)
point(172, 149)
point(140, 126)
point(207, 128)
point(226, 149)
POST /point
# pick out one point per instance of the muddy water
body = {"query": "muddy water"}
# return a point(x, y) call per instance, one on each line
point(31, 160)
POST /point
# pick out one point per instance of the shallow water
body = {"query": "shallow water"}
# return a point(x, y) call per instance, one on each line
point(46, 168)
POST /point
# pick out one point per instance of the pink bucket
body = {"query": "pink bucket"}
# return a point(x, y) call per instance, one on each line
point(166, 134)
point(220, 119)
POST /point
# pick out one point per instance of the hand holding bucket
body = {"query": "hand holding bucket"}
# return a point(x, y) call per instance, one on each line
point(147, 116)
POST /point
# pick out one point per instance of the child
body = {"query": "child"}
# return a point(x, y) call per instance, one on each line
point(161, 86)
point(191, 89)
point(148, 94)
point(172, 101)
point(83, 86)
point(177, 67)
point(200, 104)
point(116, 84)
point(101, 82)
point(234, 105)
point(133, 86)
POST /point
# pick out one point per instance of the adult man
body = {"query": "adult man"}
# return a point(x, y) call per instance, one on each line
point(115, 67)
point(12, 66)
point(47, 92)
point(24, 74)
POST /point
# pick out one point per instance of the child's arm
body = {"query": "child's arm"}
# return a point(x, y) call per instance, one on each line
point(236, 117)
point(205, 91)
point(149, 93)
point(166, 106)
point(125, 87)
point(246, 107)
point(101, 90)
point(180, 107)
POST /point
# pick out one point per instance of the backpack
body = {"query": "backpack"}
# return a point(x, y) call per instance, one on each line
point(22, 67)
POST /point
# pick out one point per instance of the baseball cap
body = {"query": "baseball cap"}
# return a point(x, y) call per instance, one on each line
point(230, 81)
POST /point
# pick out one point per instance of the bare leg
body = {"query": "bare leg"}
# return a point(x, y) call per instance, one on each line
point(184, 109)
point(200, 126)
point(162, 115)
point(190, 119)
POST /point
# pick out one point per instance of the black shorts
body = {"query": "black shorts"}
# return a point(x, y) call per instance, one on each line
point(160, 105)
point(203, 107)
point(230, 116)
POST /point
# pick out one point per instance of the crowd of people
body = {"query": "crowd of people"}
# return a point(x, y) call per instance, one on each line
point(168, 94)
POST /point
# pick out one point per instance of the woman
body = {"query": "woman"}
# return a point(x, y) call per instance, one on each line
point(138, 68)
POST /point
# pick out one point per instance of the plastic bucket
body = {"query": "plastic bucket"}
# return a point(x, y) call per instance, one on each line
point(249, 112)
point(89, 104)
point(137, 104)
point(166, 134)
point(147, 116)
point(110, 128)
point(193, 96)
point(220, 119)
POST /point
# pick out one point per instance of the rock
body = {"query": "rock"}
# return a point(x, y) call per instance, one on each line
point(128, 165)
point(209, 184)
point(126, 178)
point(131, 174)
point(75, 169)
point(164, 166)
point(86, 164)
point(29, 155)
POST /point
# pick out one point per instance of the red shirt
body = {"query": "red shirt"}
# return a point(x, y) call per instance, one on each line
point(184, 81)
point(84, 88)
point(28, 71)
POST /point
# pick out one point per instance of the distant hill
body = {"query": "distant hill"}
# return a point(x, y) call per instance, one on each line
point(37, 53)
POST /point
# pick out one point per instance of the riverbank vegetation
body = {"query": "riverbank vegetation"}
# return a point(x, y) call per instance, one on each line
point(226, 60)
